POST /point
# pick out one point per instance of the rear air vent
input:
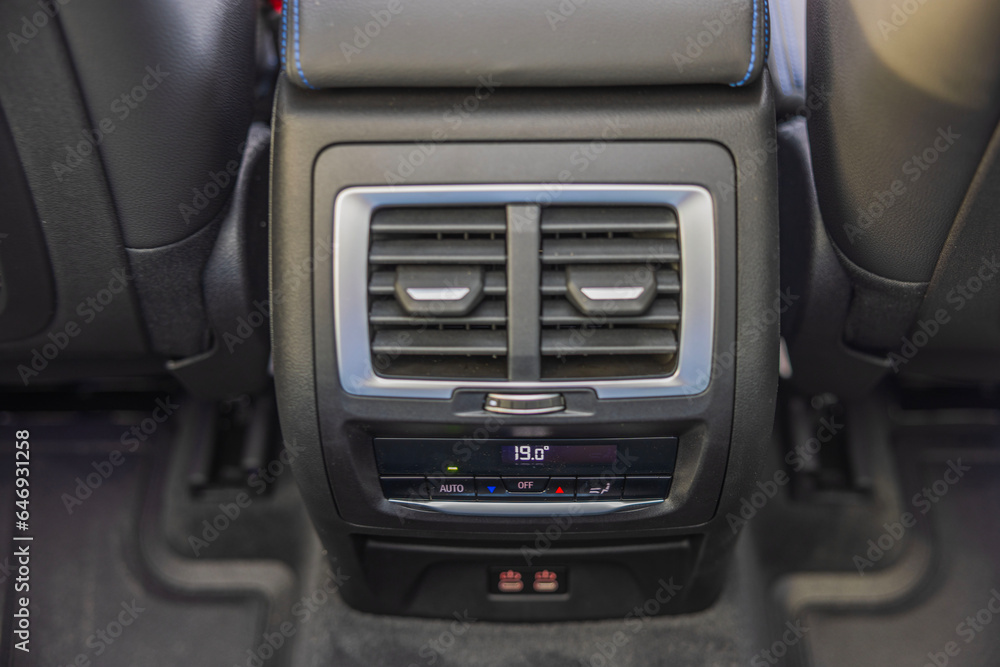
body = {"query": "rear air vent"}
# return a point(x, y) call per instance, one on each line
point(440, 288)
point(437, 288)
point(610, 291)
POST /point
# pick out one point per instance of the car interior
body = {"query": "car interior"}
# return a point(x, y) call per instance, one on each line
point(584, 333)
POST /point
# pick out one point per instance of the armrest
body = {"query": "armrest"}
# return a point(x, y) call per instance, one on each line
point(348, 43)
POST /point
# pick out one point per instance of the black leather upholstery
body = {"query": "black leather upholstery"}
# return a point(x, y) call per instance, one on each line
point(122, 115)
point(27, 294)
point(41, 101)
point(166, 147)
point(337, 43)
point(901, 89)
point(907, 97)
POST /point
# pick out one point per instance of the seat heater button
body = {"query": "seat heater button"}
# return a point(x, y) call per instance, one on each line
point(599, 488)
point(525, 484)
point(452, 487)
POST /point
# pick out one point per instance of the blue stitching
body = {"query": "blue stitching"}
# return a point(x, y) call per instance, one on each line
point(284, 33)
point(298, 62)
point(767, 31)
point(753, 49)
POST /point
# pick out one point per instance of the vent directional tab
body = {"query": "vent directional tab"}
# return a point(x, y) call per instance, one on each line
point(439, 290)
point(615, 290)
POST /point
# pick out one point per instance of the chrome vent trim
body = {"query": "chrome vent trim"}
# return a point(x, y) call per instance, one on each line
point(695, 209)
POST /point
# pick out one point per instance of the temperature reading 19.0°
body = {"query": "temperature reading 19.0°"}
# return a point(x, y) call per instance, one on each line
point(537, 454)
point(529, 453)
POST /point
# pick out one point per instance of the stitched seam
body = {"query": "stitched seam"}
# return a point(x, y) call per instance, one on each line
point(284, 33)
point(753, 49)
point(767, 31)
point(298, 61)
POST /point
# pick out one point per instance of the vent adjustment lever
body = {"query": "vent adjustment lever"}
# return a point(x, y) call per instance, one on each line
point(617, 289)
point(524, 404)
point(445, 291)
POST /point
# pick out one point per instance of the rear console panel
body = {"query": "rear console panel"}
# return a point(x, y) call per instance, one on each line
point(351, 419)
point(548, 559)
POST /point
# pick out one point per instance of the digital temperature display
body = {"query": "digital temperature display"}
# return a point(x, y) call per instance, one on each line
point(538, 454)
point(526, 456)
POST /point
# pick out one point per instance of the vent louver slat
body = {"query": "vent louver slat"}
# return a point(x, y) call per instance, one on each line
point(391, 314)
point(434, 251)
point(563, 313)
point(608, 341)
point(441, 342)
point(610, 292)
point(437, 284)
point(436, 221)
point(607, 250)
point(604, 219)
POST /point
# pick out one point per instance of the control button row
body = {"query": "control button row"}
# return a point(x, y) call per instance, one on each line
point(529, 488)
point(631, 487)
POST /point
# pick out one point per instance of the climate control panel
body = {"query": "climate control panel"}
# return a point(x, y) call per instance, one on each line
point(526, 470)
